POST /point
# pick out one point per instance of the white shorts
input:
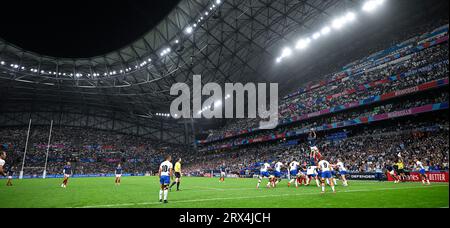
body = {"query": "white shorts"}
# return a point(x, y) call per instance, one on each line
point(118, 175)
point(10, 177)
point(314, 149)
point(66, 175)
point(222, 174)
point(392, 172)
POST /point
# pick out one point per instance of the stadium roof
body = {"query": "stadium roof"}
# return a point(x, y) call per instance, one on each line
point(236, 41)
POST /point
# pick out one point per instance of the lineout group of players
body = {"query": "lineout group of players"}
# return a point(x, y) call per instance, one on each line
point(319, 170)
point(322, 173)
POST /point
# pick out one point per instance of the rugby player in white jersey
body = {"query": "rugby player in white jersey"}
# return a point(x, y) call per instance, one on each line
point(325, 167)
point(278, 166)
point(165, 173)
point(342, 172)
point(2, 163)
point(333, 175)
point(293, 173)
point(422, 171)
point(311, 172)
point(263, 173)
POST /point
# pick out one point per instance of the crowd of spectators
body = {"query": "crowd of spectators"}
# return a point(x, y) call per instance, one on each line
point(366, 151)
point(412, 69)
point(430, 97)
point(91, 151)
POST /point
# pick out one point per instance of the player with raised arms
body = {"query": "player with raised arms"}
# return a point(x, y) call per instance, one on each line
point(165, 173)
point(118, 174)
point(314, 154)
point(263, 173)
point(293, 173)
point(342, 172)
point(325, 167)
point(67, 172)
point(423, 174)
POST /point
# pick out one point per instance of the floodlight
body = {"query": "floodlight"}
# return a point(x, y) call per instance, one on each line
point(189, 30)
point(325, 30)
point(286, 52)
point(303, 43)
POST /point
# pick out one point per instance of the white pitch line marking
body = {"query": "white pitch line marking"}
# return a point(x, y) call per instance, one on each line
point(250, 197)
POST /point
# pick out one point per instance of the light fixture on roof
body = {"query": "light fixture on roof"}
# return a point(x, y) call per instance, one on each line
point(286, 52)
point(316, 35)
point(338, 23)
point(372, 5)
point(325, 31)
point(350, 17)
point(303, 43)
point(189, 30)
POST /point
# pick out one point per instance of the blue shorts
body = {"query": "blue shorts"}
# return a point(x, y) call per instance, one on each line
point(422, 172)
point(326, 174)
point(294, 173)
point(277, 174)
point(164, 180)
point(264, 174)
point(342, 173)
point(312, 175)
point(333, 173)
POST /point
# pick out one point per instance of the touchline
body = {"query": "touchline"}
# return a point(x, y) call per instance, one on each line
point(234, 108)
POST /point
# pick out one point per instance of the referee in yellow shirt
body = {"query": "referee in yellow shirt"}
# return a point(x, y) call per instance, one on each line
point(401, 170)
point(177, 175)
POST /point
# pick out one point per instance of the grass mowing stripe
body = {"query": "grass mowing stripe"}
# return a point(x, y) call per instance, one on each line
point(254, 197)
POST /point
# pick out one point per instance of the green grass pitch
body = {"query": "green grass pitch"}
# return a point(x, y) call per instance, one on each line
point(142, 192)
